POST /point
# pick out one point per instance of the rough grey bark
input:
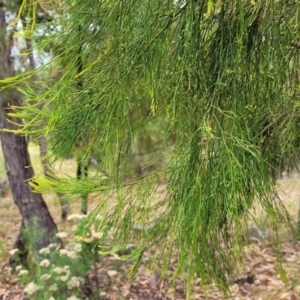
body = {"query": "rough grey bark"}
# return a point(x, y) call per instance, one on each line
point(38, 228)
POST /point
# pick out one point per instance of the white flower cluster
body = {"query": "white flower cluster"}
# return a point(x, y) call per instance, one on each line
point(64, 272)
point(63, 251)
point(23, 272)
point(13, 251)
point(59, 270)
point(69, 253)
point(52, 246)
point(74, 282)
point(31, 288)
point(45, 263)
point(18, 268)
point(53, 287)
point(77, 247)
point(65, 277)
point(45, 250)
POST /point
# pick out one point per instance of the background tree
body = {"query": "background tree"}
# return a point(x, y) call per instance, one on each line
point(34, 212)
point(219, 79)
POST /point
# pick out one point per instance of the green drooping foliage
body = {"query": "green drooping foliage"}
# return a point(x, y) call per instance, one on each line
point(213, 85)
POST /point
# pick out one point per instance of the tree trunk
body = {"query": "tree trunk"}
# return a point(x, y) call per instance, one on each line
point(19, 172)
point(38, 228)
point(82, 172)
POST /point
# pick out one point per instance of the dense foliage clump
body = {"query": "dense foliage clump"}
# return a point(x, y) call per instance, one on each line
point(210, 88)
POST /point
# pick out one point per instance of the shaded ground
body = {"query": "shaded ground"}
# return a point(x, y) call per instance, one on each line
point(258, 280)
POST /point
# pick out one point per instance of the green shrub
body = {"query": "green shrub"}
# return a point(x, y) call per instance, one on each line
point(58, 274)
